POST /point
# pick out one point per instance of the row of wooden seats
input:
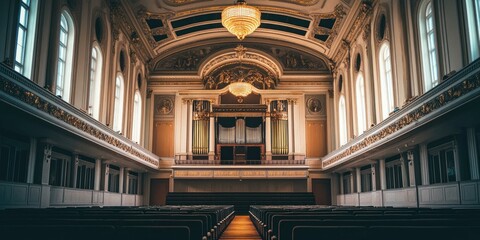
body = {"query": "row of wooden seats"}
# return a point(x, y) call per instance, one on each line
point(164, 222)
point(322, 222)
point(241, 200)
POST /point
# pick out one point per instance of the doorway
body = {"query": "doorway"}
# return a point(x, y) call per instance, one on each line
point(321, 189)
point(158, 191)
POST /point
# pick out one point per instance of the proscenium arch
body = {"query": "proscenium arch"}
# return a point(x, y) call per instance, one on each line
point(231, 56)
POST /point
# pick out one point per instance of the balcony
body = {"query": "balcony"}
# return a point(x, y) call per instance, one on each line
point(460, 90)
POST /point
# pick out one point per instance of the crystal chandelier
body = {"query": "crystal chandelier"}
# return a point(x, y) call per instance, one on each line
point(240, 90)
point(240, 19)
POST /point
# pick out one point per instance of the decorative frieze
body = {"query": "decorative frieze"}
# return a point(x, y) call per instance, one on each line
point(40, 103)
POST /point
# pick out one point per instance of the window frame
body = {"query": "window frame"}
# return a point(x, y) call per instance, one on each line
point(342, 120)
point(394, 174)
point(360, 100)
point(96, 71)
point(23, 58)
point(438, 171)
point(366, 182)
point(386, 81)
point(137, 117)
point(119, 103)
point(428, 46)
point(63, 81)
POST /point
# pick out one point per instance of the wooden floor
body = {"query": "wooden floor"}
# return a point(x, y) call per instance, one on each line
point(240, 228)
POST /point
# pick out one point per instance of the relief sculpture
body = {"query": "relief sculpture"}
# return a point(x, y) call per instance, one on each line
point(259, 78)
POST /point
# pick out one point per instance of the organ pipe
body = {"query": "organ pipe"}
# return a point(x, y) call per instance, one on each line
point(201, 123)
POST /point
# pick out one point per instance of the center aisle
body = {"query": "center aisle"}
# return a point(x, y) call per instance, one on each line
point(240, 228)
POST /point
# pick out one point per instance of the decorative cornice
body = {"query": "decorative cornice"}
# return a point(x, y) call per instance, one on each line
point(450, 90)
point(11, 85)
point(121, 22)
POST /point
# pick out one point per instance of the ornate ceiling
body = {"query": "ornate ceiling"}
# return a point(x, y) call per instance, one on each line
point(297, 35)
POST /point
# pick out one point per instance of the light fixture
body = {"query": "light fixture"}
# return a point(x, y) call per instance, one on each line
point(240, 90)
point(241, 19)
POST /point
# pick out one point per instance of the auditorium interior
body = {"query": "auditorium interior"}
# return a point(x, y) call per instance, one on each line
point(343, 107)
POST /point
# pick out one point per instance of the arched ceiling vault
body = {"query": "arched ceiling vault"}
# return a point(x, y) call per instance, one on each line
point(314, 32)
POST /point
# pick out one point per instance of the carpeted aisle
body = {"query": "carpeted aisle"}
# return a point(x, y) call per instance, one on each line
point(240, 228)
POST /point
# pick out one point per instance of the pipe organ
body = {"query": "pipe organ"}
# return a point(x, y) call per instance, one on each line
point(232, 131)
point(279, 121)
point(201, 122)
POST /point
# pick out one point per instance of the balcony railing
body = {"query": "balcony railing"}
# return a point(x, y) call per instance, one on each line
point(239, 163)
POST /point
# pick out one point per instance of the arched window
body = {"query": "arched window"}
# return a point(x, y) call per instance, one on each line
point(137, 117)
point(25, 37)
point(360, 99)
point(429, 49)
point(473, 21)
point(342, 120)
point(65, 57)
point(118, 107)
point(386, 81)
point(95, 82)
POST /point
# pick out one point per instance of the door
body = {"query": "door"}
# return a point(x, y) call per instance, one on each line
point(321, 189)
point(158, 191)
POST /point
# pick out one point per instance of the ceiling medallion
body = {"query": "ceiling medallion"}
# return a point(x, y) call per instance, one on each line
point(241, 19)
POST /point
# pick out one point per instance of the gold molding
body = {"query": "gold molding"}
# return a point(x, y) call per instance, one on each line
point(30, 98)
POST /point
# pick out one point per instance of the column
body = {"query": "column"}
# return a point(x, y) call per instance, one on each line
point(341, 184)
point(424, 164)
point(383, 177)
point(293, 102)
point(189, 130)
point(358, 176)
point(31, 160)
point(183, 131)
point(411, 168)
point(405, 180)
point(374, 177)
point(47, 158)
point(211, 139)
point(98, 174)
point(74, 171)
point(268, 134)
point(472, 154)
point(139, 185)
point(120, 180)
point(45, 193)
point(290, 129)
point(127, 179)
point(105, 177)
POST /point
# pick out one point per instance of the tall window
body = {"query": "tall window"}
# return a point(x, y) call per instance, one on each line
point(386, 82)
point(25, 37)
point(342, 120)
point(473, 21)
point(137, 117)
point(65, 57)
point(361, 111)
point(118, 107)
point(429, 49)
point(95, 81)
